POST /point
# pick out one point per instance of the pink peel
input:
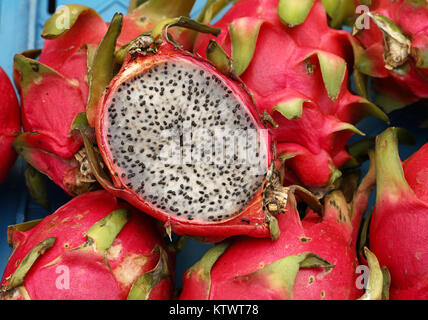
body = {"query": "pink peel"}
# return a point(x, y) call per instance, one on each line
point(109, 272)
point(398, 225)
point(10, 124)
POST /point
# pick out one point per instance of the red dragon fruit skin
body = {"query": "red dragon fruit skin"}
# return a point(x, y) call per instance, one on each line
point(117, 248)
point(399, 69)
point(10, 124)
point(314, 258)
point(297, 75)
point(398, 228)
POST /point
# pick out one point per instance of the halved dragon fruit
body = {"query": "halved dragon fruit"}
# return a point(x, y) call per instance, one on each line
point(183, 142)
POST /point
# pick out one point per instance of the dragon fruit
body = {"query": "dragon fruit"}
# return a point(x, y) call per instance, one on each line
point(396, 51)
point(295, 66)
point(10, 124)
point(58, 86)
point(314, 257)
point(398, 227)
point(94, 247)
point(183, 142)
point(54, 90)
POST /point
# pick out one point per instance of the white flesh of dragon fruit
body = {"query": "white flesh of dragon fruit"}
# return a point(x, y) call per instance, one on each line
point(183, 142)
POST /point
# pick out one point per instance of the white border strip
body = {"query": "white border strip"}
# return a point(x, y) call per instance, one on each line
point(32, 24)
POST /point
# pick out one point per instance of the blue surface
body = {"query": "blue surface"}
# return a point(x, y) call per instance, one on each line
point(21, 22)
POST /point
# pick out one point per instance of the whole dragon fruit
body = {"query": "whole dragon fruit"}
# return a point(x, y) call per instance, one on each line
point(183, 142)
point(398, 228)
point(314, 257)
point(295, 66)
point(10, 124)
point(395, 38)
point(62, 82)
point(54, 89)
point(94, 247)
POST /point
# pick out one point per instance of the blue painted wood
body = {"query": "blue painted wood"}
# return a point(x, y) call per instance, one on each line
point(13, 31)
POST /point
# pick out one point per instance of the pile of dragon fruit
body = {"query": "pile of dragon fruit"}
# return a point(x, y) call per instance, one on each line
point(163, 128)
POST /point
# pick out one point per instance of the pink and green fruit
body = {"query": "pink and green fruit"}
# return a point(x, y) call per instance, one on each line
point(93, 248)
point(398, 228)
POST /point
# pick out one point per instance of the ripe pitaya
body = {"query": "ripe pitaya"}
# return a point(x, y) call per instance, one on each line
point(55, 88)
point(296, 68)
point(184, 143)
point(314, 257)
point(398, 229)
point(395, 39)
point(94, 247)
point(10, 124)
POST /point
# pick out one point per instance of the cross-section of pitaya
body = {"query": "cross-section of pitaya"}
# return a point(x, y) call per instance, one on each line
point(10, 124)
point(295, 66)
point(398, 227)
point(314, 257)
point(184, 143)
point(94, 247)
point(394, 35)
